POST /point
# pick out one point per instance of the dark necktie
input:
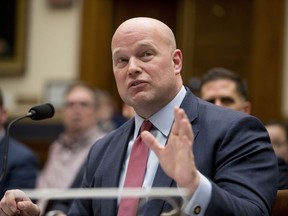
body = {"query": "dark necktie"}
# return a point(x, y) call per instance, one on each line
point(135, 172)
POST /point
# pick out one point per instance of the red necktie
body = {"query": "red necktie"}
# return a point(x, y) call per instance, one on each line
point(135, 172)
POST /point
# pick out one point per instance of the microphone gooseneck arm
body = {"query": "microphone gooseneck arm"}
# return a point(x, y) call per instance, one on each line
point(6, 146)
point(35, 113)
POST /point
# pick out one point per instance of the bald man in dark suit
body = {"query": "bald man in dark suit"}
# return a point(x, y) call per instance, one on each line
point(222, 158)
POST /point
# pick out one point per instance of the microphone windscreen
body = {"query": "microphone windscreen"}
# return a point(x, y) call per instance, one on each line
point(42, 111)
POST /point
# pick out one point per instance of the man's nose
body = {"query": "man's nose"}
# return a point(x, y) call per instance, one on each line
point(218, 102)
point(133, 66)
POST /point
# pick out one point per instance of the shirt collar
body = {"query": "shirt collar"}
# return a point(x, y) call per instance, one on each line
point(164, 118)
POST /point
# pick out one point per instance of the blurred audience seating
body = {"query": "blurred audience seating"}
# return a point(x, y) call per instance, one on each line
point(38, 135)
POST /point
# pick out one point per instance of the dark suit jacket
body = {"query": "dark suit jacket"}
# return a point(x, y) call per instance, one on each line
point(231, 149)
point(22, 167)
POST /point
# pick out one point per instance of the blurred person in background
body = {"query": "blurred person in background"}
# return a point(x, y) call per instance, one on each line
point(194, 84)
point(225, 88)
point(109, 117)
point(278, 136)
point(22, 162)
point(68, 152)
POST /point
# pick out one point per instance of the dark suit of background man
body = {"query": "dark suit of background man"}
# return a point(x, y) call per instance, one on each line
point(222, 157)
point(22, 164)
point(225, 88)
point(278, 136)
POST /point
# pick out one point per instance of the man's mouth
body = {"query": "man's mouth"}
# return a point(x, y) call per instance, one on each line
point(135, 83)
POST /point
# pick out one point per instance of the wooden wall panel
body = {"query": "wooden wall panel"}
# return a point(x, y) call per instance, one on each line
point(95, 64)
point(222, 34)
point(245, 36)
point(265, 78)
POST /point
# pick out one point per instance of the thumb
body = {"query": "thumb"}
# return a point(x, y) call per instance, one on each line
point(28, 208)
point(151, 142)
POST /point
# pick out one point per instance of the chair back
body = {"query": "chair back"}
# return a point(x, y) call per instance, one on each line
point(281, 204)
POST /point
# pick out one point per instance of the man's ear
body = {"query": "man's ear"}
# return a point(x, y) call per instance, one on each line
point(247, 108)
point(177, 60)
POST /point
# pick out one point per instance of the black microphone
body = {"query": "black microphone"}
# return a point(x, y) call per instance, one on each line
point(39, 112)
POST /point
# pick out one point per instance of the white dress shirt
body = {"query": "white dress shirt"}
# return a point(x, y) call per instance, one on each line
point(162, 121)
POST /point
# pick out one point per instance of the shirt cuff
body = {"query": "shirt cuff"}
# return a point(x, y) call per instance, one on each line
point(198, 204)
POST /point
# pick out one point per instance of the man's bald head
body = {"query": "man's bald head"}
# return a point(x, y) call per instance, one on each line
point(145, 24)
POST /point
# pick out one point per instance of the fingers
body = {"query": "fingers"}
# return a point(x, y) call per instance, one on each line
point(15, 202)
point(185, 128)
point(151, 141)
point(3, 213)
point(181, 126)
point(28, 208)
point(8, 203)
point(177, 119)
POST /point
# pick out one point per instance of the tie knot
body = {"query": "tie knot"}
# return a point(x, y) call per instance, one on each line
point(146, 125)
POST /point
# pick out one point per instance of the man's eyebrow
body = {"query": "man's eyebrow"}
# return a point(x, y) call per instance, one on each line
point(226, 97)
point(116, 51)
point(140, 46)
point(145, 43)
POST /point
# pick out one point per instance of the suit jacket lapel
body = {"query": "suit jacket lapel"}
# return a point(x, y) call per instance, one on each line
point(113, 164)
point(155, 207)
point(191, 106)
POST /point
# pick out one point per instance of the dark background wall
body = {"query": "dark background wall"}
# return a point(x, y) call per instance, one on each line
point(242, 35)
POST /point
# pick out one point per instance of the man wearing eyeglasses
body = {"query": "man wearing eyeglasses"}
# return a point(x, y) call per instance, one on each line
point(69, 151)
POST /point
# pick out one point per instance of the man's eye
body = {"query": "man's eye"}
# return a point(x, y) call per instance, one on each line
point(146, 54)
point(227, 100)
point(211, 101)
point(121, 61)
